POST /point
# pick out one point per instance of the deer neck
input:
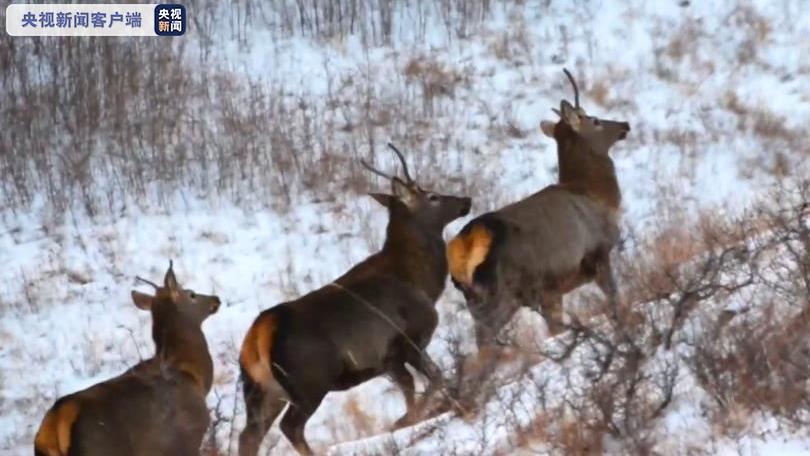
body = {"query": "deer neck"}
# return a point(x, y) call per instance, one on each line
point(586, 171)
point(180, 345)
point(416, 252)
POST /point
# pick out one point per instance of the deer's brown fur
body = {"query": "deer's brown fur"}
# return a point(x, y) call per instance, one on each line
point(531, 252)
point(371, 321)
point(581, 172)
point(157, 406)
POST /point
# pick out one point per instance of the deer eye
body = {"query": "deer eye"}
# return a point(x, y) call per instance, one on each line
point(192, 294)
point(433, 197)
point(596, 121)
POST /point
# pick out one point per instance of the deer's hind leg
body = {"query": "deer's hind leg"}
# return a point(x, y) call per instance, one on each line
point(490, 319)
point(262, 405)
point(551, 309)
point(295, 419)
point(607, 283)
point(404, 380)
point(545, 299)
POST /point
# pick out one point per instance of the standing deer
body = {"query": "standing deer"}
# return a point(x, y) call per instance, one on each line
point(155, 408)
point(533, 251)
point(371, 321)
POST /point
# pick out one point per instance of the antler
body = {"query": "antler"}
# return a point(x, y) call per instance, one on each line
point(388, 176)
point(375, 170)
point(402, 160)
point(148, 282)
point(153, 284)
point(573, 83)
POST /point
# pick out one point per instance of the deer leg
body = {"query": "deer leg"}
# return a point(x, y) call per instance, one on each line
point(489, 320)
point(607, 283)
point(404, 380)
point(484, 334)
point(551, 309)
point(294, 421)
point(262, 408)
point(425, 366)
point(478, 307)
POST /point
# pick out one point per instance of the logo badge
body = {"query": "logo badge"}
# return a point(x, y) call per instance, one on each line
point(170, 19)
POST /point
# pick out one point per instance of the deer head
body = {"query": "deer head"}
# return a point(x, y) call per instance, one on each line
point(428, 208)
point(171, 299)
point(599, 134)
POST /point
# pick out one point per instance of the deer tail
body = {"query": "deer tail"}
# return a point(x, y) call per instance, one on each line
point(54, 434)
point(255, 356)
point(469, 249)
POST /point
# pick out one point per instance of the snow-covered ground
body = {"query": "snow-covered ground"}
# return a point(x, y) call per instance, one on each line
point(716, 96)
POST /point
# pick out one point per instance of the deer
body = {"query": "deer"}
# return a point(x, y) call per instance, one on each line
point(533, 251)
point(373, 320)
point(158, 406)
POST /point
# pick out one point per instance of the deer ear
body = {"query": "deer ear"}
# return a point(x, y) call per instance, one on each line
point(570, 115)
point(382, 198)
point(547, 127)
point(142, 300)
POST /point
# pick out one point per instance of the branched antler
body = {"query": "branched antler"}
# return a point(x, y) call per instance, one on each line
point(401, 158)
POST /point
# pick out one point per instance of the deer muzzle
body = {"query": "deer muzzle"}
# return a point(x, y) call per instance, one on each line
point(466, 205)
point(624, 130)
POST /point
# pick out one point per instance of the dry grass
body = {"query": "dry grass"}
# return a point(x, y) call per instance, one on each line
point(98, 139)
point(361, 422)
point(513, 46)
point(436, 80)
point(757, 32)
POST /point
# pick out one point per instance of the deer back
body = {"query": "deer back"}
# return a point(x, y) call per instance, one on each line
point(549, 233)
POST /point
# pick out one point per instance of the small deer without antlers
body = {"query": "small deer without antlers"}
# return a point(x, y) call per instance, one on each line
point(371, 321)
point(533, 251)
point(155, 408)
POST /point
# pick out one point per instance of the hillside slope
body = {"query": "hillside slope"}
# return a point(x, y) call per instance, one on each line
point(716, 96)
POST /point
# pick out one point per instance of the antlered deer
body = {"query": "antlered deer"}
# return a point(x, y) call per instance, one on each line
point(533, 251)
point(155, 408)
point(371, 321)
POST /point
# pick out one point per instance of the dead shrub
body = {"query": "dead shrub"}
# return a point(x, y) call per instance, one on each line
point(756, 359)
point(435, 79)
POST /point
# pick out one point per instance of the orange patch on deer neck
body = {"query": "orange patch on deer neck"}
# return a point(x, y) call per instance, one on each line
point(255, 354)
point(466, 251)
point(53, 436)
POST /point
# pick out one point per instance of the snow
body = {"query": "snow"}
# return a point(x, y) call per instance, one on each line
point(66, 319)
